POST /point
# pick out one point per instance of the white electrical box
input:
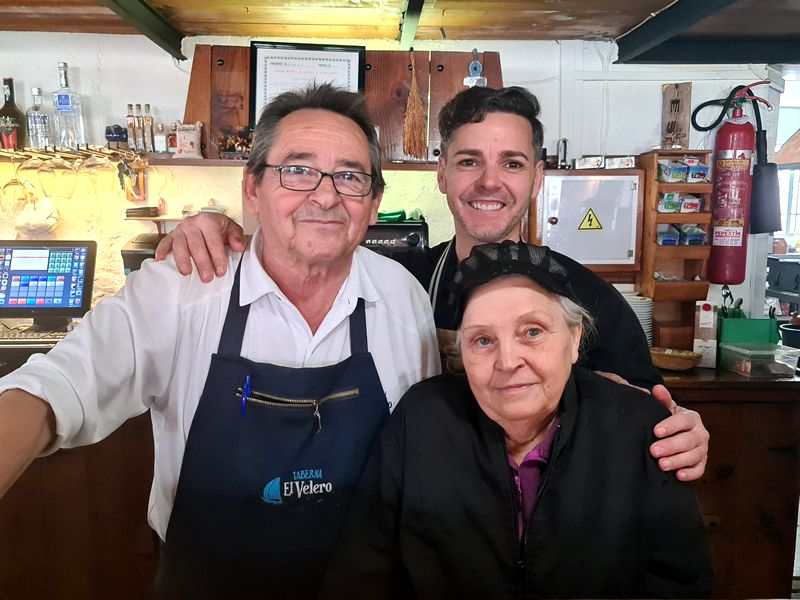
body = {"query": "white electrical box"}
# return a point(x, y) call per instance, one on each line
point(592, 217)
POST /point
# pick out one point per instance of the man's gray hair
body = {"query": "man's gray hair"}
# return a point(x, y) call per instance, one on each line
point(325, 97)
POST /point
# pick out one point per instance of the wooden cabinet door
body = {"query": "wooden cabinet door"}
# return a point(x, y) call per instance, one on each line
point(386, 86)
point(219, 94)
point(439, 77)
point(448, 70)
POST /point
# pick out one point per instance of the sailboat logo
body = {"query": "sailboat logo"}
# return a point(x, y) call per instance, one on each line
point(272, 492)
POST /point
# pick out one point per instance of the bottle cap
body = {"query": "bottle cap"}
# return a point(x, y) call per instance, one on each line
point(161, 127)
point(138, 107)
point(147, 107)
point(62, 65)
point(130, 107)
point(36, 91)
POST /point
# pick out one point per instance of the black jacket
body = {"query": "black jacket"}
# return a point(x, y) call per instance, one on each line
point(620, 345)
point(436, 516)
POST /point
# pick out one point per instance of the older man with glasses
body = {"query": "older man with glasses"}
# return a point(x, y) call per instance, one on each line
point(266, 387)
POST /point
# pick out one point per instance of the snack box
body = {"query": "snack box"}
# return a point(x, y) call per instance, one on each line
point(588, 162)
point(620, 162)
point(697, 174)
point(690, 204)
point(667, 235)
point(669, 202)
point(691, 235)
point(759, 360)
point(672, 172)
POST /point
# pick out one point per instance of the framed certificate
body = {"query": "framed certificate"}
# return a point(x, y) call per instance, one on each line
point(277, 67)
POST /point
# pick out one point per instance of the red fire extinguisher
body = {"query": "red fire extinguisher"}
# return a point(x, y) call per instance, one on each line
point(730, 198)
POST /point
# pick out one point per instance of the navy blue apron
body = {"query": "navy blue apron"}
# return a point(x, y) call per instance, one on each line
point(272, 458)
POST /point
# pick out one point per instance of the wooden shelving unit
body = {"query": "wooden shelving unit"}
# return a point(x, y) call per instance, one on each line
point(673, 308)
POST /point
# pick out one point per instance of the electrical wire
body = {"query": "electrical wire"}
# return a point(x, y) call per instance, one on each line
point(649, 17)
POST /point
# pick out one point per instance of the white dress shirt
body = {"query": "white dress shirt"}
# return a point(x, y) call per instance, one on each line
point(150, 346)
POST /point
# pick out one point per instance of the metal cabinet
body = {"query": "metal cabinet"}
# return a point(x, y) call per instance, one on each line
point(592, 216)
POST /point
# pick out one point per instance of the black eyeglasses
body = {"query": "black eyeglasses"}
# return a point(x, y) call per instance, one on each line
point(300, 178)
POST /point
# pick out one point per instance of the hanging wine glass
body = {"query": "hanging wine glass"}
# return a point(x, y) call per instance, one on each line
point(58, 178)
point(13, 192)
point(28, 174)
point(100, 171)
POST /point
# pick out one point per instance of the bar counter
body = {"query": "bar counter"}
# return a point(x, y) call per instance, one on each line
point(749, 493)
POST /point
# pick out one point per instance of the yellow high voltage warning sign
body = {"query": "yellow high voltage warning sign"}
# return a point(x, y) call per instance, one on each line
point(590, 221)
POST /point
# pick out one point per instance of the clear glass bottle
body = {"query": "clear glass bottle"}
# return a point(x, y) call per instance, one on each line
point(12, 132)
point(172, 139)
point(70, 131)
point(40, 122)
point(137, 117)
point(147, 122)
point(130, 120)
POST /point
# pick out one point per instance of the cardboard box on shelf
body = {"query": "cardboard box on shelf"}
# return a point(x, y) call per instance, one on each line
point(705, 333)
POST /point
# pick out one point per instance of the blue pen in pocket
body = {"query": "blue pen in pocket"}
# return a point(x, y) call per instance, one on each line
point(245, 394)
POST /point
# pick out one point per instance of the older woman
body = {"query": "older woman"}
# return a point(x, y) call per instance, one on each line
point(529, 478)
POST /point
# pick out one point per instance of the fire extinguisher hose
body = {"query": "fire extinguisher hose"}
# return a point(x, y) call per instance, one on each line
point(761, 133)
point(726, 104)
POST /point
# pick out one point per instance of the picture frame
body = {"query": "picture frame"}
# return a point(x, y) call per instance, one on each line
point(276, 67)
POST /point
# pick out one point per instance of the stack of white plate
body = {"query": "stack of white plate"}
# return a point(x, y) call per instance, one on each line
point(643, 309)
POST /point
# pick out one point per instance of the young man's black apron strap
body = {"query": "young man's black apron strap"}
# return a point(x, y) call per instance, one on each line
point(272, 458)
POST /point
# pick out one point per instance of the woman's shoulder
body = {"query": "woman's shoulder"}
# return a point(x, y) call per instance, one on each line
point(598, 393)
point(436, 394)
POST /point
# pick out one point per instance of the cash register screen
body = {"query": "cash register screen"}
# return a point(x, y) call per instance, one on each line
point(48, 280)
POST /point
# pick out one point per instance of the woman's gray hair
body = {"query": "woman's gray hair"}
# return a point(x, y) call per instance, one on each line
point(325, 97)
point(574, 315)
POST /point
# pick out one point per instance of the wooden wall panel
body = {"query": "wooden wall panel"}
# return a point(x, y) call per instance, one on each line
point(386, 84)
point(198, 106)
point(230, 95)
point(448, 70)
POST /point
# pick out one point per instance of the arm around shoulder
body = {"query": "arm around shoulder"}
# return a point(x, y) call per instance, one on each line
point(27, 428)
point(679, 564)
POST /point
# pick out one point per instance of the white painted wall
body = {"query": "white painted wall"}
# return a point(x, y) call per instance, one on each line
point(598, 106)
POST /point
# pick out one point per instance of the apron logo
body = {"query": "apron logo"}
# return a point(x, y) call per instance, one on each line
point(304, 482)
point(272, 492)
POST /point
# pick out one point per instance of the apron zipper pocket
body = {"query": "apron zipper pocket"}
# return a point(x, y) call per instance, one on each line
point(264, 399)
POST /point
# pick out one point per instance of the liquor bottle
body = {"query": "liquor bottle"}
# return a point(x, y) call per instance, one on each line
point(147, 122)
point(12, 133)
point(137, 117)
point(172, 139)
point(160, 139)
point(131, 122)
point(70, 132)
point(40, 123)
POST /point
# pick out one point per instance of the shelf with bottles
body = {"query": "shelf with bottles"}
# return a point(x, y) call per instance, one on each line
point(41, 127)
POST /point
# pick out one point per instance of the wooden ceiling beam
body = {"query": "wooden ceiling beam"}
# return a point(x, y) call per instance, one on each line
point(412, 9)
point(665, 25)
point(149, 23)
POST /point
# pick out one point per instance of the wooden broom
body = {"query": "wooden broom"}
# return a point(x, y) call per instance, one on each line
point(415, 142)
